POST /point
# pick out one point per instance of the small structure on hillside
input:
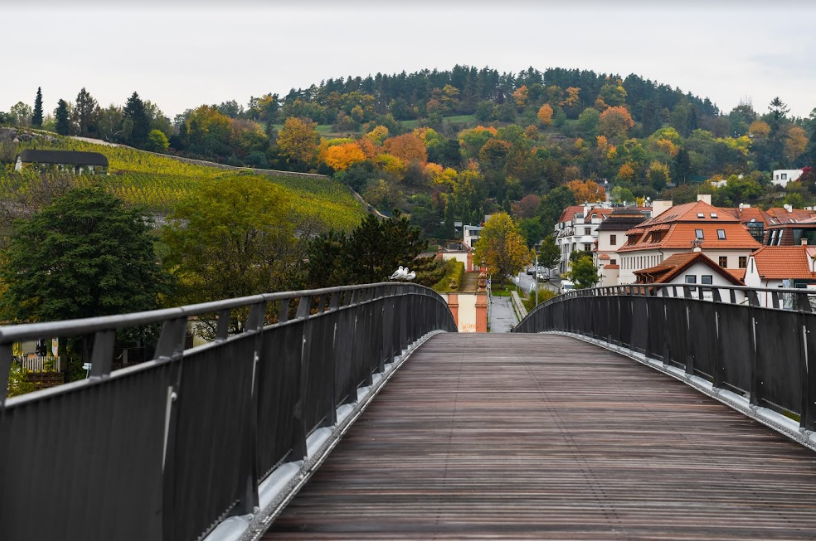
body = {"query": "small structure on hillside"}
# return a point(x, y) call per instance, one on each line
point(63, 160)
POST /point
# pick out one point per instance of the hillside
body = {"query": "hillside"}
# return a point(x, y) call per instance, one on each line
point(158, 182)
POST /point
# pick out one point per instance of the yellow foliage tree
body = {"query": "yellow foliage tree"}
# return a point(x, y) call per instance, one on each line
point(572, 96)
point(795, 143)
point(368, 147)
point(502, 247)
point(390, 164)
point(545, 114)
point(298, 139)
point(603, 143)
point(759, 128)
point(586, 191)
point(626, 172)
point(377, 135)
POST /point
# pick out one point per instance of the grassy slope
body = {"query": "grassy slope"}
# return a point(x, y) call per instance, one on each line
point(158, 182)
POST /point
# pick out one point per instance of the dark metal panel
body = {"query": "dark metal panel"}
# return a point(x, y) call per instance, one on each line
point(214, 411)
point(735, 327)
point(778, 358)
point(87, 462)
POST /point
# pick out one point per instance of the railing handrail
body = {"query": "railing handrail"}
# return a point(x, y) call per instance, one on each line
point(167, 448)
point(27, 331)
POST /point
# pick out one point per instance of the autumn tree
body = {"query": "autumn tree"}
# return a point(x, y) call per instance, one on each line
point(341, 157)
point(615, 122)
point(298, 140)
point(759, 129)
point(407, 147)
point(795, 143)
point(502, 246)
point(545, 114)
point(520, 96)
point(587, 191)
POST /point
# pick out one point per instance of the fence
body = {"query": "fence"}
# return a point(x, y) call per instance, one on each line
point(762, 353)
point(168, 448)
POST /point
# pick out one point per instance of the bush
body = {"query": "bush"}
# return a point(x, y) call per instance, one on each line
point(543, 295)
point(454, 270)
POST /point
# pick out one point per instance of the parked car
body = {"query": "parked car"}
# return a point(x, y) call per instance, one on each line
point(530, 271)
point(566, 287)
point(543, 274)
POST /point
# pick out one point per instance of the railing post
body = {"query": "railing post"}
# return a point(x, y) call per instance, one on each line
point(719, 363)
point(756, 376)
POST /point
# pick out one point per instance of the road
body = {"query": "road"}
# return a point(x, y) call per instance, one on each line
point(525, 281)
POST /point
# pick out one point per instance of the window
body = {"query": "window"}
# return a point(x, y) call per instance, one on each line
point(721, 234)
point(784, 176)
point(707, 279)
point(700, 215)
point(743, 261)
point(587, 231)
point(714, 215)
point(752, 265)
point(691, 278)
point(613, 261)
point(613, 240)
point(699, 233)
point(723, 261)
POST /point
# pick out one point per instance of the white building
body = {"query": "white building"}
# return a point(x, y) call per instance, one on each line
point(471, 234)
point(781, 266)
point(781, 177)
point(611, 236)
point(691, 268)
point(576, 230)
point(720, 235)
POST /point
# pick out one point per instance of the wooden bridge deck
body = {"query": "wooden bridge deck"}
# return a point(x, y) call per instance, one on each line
point(546, 437)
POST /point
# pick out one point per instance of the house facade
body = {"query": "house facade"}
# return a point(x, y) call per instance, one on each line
point(611, 236)
point(781, 177)
point(720, 235)
point(690, 268)
point(781, 267)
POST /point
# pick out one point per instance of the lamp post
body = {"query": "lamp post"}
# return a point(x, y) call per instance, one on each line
point(536, 279)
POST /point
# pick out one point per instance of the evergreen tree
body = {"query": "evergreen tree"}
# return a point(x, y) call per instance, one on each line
point(37, 118)
point(135, 111)
point(63, 118)
point(86, 113)
point(682, 166)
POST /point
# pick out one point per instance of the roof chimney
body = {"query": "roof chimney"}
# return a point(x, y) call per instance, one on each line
point(804, 242)
point(789, 208)
point(705, 197)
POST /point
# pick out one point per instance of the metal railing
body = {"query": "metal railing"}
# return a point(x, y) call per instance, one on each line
point(168, 448)
point(722, 334)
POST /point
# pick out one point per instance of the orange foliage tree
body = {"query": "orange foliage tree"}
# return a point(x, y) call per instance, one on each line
point(545, 114)
point(521, 96)
point(615, 122)
point(407, 147)
point(341, 157)
point(586, 191)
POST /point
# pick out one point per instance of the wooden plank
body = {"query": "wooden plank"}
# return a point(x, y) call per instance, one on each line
point(547, 437)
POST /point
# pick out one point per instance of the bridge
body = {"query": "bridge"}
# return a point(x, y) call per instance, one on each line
point(636, 412)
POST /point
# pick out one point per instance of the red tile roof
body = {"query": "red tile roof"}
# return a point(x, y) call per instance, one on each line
point(676, 264)
point(784, 262)
point(677, 228)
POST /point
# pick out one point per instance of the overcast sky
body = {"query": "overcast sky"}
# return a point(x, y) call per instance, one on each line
point(192, 53)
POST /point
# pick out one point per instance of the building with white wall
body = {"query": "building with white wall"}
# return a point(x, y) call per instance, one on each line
point(781, 177)
point(719, 234)
point(781, 266)
point(611, 236)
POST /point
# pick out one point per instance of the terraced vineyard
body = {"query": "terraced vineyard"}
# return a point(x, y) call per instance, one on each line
point(158, 182)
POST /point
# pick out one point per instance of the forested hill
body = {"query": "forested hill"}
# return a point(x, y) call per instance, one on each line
point(459, 144)
point(462, 90)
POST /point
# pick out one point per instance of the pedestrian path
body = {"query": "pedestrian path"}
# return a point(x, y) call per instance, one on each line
point(502, 316)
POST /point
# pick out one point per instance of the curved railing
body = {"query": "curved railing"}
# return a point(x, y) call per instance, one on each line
point(168, 448)
point(753, 341)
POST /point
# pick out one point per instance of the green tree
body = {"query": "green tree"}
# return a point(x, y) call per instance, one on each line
point(86, 113)
point(502, 247)
point(682, 166)
point(553, 205)
point(37, 116)
point(157, 141)
point(84, 255)
point(588, 122)
point(63, 117)
point(531, 230)
point(135, 112)
point(583, 273)
point(370, 254)
point(231, 238)
point(549, 254)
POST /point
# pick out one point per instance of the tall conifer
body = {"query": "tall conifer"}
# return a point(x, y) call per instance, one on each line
point(37, 118)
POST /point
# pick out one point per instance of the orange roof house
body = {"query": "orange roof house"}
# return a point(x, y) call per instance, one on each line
point(675, 266)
